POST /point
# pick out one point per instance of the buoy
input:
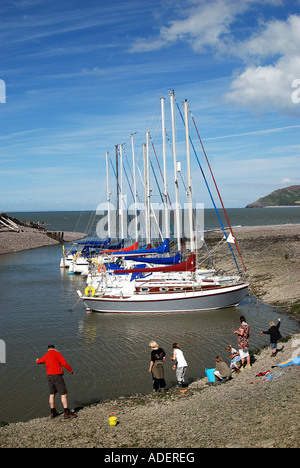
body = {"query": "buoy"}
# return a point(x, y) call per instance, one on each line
point(101, 268)
point(89, 290)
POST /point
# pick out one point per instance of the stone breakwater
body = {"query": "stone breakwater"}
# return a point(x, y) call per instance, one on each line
point(26, 237)
point(246, 411)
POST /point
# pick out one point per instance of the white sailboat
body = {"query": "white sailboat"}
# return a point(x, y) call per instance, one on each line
point(165, 289)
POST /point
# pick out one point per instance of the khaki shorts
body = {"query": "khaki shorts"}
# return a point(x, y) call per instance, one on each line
point(57, 384)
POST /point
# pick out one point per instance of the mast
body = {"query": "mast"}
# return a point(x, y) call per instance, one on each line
point(134, 189)
point(146, 192)
point(187, 139)
point(167, 222)
point(121, 190)
point(148, 186)
point(172, 97)
point(117, 177)
point(108, 195)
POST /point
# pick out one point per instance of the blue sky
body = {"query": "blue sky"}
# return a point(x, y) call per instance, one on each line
point(81, 77)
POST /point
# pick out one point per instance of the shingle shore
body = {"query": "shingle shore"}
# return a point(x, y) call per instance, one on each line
point(247, 411)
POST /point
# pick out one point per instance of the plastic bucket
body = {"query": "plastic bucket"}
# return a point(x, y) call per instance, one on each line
point(112, 421)
point(210, 374)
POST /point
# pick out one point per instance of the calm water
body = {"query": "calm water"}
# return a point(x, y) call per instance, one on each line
point(109, 353)
point(86, 221)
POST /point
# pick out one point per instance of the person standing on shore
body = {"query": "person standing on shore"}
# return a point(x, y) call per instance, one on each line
point(243, 342)
point(180, 364)
point(275, 336)
point(158, 357)
point(55, 363)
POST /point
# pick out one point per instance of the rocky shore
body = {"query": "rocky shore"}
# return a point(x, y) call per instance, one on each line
point(271, 255)
point(17, 235)
point(247, 411)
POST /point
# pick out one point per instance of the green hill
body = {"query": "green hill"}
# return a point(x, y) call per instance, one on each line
point(289, 196)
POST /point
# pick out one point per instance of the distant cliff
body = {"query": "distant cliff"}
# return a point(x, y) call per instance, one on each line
point(289, 196)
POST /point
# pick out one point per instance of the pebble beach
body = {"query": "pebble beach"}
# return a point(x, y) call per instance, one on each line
point(245, 412)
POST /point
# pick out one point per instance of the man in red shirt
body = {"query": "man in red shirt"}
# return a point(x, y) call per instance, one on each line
point(55, 363)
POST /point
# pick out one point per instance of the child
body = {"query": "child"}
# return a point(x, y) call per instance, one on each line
point(222, 371)
point(181, 364)
point(275, 336)
point(234, 358)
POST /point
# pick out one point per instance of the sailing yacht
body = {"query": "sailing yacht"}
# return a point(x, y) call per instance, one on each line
point(171, 288)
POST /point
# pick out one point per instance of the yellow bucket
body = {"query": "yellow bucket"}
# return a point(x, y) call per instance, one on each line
point(112, 421)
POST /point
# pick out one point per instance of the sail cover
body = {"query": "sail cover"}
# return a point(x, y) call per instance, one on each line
point(163, 248)
point(158, 261)
point(188, 265)
point(126, 249)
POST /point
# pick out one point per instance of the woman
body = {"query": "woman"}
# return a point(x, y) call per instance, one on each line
point(243, 342)
point(158, 357)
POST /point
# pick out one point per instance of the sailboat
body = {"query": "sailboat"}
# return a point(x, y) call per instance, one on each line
point(165, 289)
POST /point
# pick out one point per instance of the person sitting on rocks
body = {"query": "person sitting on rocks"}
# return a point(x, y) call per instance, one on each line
point(235, 358)
point(222, 372)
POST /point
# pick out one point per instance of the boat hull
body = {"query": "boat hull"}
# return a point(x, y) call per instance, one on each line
point(229, 296)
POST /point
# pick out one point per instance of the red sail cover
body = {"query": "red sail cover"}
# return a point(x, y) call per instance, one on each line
point(188, 265)
point(126, 249)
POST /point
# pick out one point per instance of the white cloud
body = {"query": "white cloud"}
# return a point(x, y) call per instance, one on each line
point(203, 25)
point(270, 85)
point(271, 52)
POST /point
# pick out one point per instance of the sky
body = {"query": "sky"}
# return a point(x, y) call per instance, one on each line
point(78, 78)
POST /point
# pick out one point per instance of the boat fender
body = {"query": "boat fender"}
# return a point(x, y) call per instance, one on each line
point(101, 268)
point(89, 290)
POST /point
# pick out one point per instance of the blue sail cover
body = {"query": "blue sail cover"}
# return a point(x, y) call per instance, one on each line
point(158, 261)
point(93, 243)
point(163, 248)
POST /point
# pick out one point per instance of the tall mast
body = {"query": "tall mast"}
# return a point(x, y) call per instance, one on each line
point(121, 190)
point(167, 222)
point(146, 192)
point(134, 189)
point(148, 186)
point(108, 195)
point(117, 177)
point(172, 97)
point(187, 139)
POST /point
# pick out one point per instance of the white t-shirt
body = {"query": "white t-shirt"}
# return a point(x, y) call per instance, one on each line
point(181, 362)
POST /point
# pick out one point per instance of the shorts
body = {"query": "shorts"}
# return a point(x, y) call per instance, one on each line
point(273, 345)
point(244, 353)
point(57, 384)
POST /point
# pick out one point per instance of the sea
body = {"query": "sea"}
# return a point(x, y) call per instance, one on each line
point(109, 353)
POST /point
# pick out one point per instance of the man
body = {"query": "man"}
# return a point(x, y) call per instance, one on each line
point(55, 362)
point(243, 342)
